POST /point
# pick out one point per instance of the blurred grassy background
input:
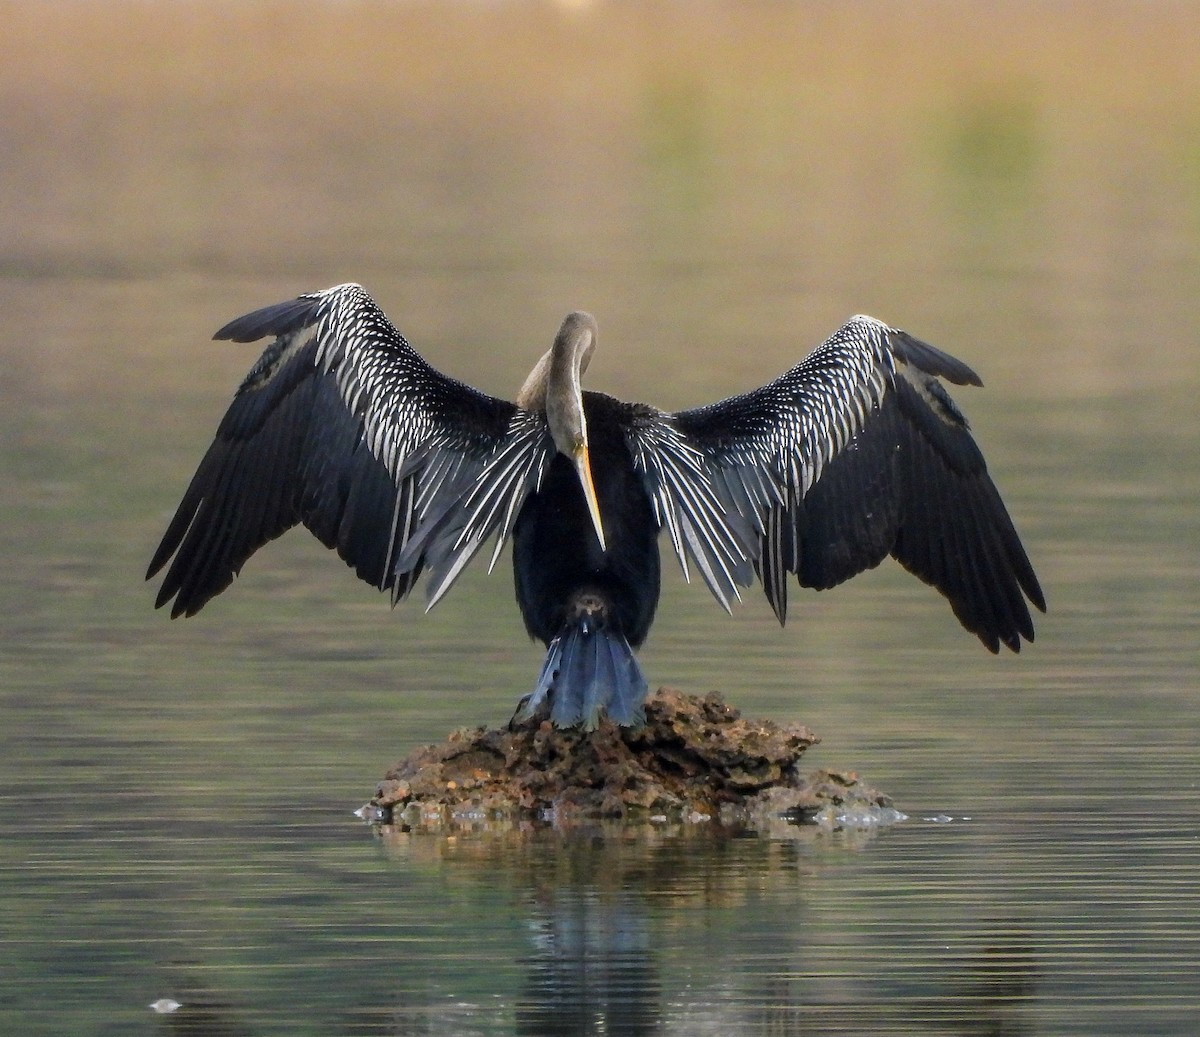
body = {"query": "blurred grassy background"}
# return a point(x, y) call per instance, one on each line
point(781, 164)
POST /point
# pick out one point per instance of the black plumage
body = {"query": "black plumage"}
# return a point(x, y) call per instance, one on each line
point(856, 453)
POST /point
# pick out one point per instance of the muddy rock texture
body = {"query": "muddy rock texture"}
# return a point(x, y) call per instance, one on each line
point(696, 758)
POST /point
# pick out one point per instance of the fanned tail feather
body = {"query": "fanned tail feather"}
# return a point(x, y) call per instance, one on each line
point(589, 670)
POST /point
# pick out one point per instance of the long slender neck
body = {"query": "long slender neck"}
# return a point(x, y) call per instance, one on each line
point(553, 385)
point(533, 392)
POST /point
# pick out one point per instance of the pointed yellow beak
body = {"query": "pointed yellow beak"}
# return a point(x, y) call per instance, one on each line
point(583, 466)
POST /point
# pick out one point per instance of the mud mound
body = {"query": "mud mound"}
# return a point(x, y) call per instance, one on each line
point(695, 758)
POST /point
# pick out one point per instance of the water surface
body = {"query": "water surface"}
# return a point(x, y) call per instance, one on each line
point(721, 189)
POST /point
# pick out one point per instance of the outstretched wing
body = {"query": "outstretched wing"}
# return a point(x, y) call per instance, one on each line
point(340, 425)
point(856, 453)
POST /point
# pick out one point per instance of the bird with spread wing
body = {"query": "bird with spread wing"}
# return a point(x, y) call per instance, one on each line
point(856, 453)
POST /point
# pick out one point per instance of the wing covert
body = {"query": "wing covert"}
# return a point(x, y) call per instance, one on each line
point(488, 505)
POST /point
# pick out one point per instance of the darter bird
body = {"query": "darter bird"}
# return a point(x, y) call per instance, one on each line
point(856, 453)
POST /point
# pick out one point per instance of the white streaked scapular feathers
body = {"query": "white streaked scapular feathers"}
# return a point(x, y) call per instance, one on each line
point(807, 416)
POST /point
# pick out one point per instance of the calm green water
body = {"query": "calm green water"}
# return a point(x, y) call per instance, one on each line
point(176, 798)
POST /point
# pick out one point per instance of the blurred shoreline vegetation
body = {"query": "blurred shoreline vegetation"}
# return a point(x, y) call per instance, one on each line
point(757, 152)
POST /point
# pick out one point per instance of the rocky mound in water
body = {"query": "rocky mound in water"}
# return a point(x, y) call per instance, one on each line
point(695, 758)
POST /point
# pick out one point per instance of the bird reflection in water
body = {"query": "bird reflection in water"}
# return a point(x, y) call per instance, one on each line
point(593, 969)
point(693, 930)
point(678, 930)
